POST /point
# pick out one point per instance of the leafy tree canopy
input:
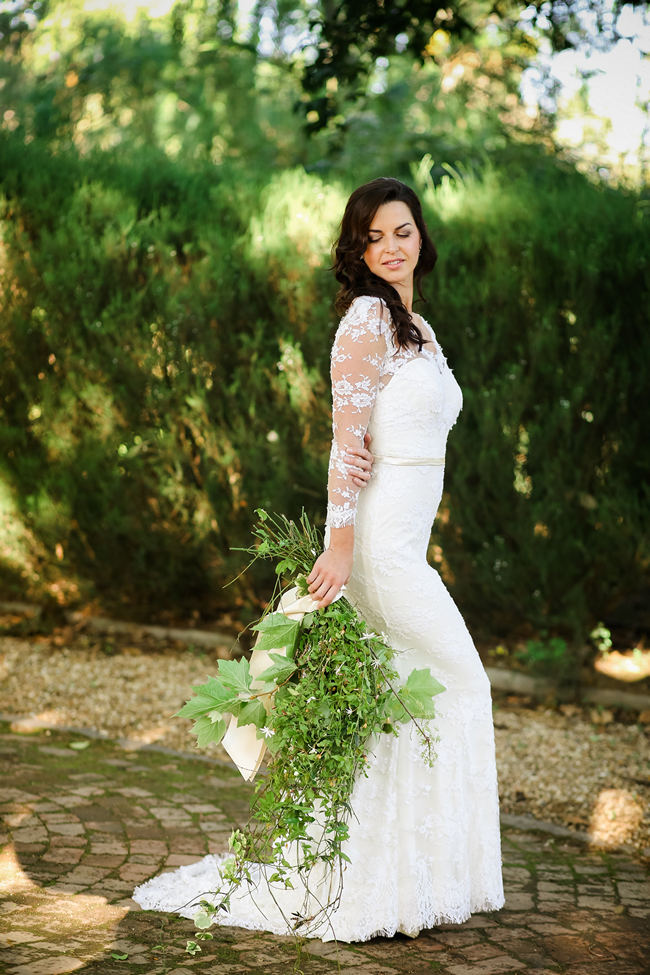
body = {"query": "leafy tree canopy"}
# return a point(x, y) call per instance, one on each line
point(341, 41)
point(333, 46)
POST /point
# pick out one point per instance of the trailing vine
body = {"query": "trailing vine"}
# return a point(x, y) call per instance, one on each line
point(332, 686)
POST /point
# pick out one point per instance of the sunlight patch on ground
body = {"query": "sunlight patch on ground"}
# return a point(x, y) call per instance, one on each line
point(629, 666)
point(615, 818)
point(13, 879)
point(55, 911)
point(35, 722)
point(150, 734)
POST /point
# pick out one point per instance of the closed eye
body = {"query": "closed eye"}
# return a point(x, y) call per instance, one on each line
point(403, 227)
point(375, 240)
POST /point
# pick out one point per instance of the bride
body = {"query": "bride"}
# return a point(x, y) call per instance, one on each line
point(424, 844)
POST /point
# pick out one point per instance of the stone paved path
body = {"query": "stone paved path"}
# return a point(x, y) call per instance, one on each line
point(83, 825)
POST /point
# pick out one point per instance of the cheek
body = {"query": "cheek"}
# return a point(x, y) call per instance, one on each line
point(370, 255)
point(414, 247)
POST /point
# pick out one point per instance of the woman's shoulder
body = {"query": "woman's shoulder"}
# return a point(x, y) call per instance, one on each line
point(369, 311)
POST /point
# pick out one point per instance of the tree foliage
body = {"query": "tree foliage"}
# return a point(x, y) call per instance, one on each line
point(344, 40)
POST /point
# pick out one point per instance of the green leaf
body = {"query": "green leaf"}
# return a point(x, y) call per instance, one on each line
point(278, 631)
point(286, 565)
point(253, 712)
point(282, 668)
point(272, 743)
point(79, 745)
point(208, 731)
point(422, 683)
point(235, 674)
point(416, 697)
point(324, 710)
point(192, 948)
point(202, 920)
point(201, 705)
point(214, 695)
point(119, 955)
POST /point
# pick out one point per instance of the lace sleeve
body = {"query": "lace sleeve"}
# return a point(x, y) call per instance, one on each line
point(357, 355)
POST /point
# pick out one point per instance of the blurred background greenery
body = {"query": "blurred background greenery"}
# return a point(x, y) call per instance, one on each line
point(171, 179)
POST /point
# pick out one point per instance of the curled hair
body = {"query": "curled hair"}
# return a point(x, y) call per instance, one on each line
point(351, 271)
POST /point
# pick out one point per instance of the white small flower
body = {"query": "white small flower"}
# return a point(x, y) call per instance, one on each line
point(268, 732)
point(376, 662)
point(349, 711)
point(368, 636)
point(310, 699)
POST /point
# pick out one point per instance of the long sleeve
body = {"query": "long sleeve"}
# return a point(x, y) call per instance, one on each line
point(357, 355)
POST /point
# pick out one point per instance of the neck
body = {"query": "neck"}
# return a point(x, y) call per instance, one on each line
point(405, 291)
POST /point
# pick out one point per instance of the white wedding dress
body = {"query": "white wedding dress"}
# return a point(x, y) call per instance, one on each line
point(424, 843)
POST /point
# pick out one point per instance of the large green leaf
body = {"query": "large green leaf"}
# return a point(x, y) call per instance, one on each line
point(211, 696)
point(253, 712)
point(208, 731)
point(277, 631)
point(201, 704)
point(416, 696)
point(235, 675)
point(282, 668)
point(422, 683)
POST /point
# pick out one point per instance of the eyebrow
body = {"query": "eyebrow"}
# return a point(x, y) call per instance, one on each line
point(401, 227)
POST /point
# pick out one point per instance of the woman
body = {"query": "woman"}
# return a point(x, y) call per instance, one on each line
point(424, 843)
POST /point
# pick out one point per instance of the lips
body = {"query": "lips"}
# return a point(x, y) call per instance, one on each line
point(392, 263)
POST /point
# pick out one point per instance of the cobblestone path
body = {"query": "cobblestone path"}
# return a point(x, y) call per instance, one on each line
point(86, 820)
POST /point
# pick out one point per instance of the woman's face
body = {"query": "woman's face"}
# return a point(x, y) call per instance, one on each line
point(393, 244)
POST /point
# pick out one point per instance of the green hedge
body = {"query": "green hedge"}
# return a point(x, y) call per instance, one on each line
point(165, 336)
point(541, 297)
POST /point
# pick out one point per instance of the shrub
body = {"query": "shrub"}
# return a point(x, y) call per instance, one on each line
point(166, 330)
point(539, 298)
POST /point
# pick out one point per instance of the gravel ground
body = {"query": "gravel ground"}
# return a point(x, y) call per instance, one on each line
point(575, 767)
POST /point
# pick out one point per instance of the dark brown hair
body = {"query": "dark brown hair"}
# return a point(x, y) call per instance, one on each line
point(352, 272)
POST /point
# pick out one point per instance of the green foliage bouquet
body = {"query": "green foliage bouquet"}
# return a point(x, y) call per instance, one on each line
point(329, 688)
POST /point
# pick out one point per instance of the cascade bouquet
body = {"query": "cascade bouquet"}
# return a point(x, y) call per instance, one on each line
point(318, 686)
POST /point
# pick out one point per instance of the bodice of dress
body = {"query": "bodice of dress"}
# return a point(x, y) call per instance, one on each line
point(407, 400)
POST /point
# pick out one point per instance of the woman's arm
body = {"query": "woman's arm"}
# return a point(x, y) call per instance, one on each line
point(357, 354)
point(332, 568)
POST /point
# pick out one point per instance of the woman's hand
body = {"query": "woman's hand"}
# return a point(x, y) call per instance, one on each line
point(332, 569)
point(359, 461)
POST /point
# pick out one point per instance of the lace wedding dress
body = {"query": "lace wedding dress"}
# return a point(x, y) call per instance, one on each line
point(424, 842)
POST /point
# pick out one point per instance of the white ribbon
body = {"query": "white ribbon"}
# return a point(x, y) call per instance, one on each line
point(242, 744)
point(409, 461)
